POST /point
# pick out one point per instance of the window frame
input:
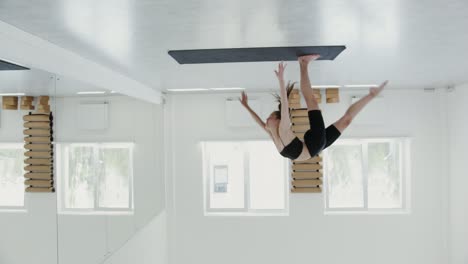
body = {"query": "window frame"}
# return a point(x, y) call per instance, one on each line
point(62, 150)
point(13, 209)
point(246, 210)
point(405, 176)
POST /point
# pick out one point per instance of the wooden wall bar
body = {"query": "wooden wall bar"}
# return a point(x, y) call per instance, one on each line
point(306, 176)
point(333, 95)
point(10, 102)
point(39, 149)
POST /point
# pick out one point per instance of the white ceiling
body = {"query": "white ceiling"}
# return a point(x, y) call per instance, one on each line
point(414, 44)
point(36, 82)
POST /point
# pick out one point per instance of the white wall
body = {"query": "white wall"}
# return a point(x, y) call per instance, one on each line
point(130, 120)
point(307, 235)
point(458, 154)
point(147, 246)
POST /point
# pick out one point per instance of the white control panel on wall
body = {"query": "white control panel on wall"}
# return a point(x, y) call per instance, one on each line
point(93, 116)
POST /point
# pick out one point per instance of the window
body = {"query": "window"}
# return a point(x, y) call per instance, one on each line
point(244, 178)
point(367, 175)
point(96, 177)
point(11, 176)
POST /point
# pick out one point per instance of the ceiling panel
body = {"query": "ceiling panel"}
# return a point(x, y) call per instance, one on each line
point(414, 44)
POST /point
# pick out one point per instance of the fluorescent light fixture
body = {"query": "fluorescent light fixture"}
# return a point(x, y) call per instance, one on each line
point(227, 89)
point(206, 89)
point(92, 92)
point(113, 92)
point(325, 86)
point(360, 85)
point(12, 94)
point(188, 90)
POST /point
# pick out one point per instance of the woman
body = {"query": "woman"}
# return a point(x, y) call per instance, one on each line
point(317, 138)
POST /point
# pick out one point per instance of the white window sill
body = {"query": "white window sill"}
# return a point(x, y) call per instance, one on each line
point(376, 212)
point(16, 210)
point(242, 214)
point(70, 212)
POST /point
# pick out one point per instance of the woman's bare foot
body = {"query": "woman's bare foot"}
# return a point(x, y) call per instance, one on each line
point(375, 91)
point(308, 58)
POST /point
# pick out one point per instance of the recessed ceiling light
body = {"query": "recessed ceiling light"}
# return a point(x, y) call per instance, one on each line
point(325, 86)
point(227, 89)
point(92, 92)
point(12, 94)
point(188, 90)
point(360, 85)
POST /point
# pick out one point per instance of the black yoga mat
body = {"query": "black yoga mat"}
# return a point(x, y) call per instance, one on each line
point(8, 66)
point(253, 54)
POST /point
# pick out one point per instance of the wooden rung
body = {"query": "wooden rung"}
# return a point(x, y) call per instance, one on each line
point(39, 183)
point(43, 98)
point(9, 100)
point(299, 134)
point(37, 139)
point(294, 106)
point(40, 190)
point(42, 111)
point(38, 175)
point(27, 98)
point(36, 117)
point(306, 167)
point(38, 154)
point(332, 91)
point(38, 168)
point(295, 99)
point(10, 97)
point(299, 112)
point(306, 190)
point(307, 175)
point(10, 107)
point(333, 100)
point(306, 183)
point(43, 107)
point(300, 120)
point(36, 132)
point(316, 159)
point(31, 161)
point(26, 107)
point(300, 128)
point(42, 124)
point(45, 147)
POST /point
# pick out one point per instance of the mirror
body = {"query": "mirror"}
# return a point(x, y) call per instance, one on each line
point(109, 166)
point(28, 220)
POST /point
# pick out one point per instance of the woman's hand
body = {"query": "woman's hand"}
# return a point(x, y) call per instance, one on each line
point(244, 99)
point(376, 90)
point(280, 72)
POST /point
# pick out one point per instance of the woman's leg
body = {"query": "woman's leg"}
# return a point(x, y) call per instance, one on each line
point(306, 88)
point(355, 108)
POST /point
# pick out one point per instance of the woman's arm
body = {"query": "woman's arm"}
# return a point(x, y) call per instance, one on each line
point(285, 119)
point(244, 101)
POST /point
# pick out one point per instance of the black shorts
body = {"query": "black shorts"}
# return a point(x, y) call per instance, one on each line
point(317, 138)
